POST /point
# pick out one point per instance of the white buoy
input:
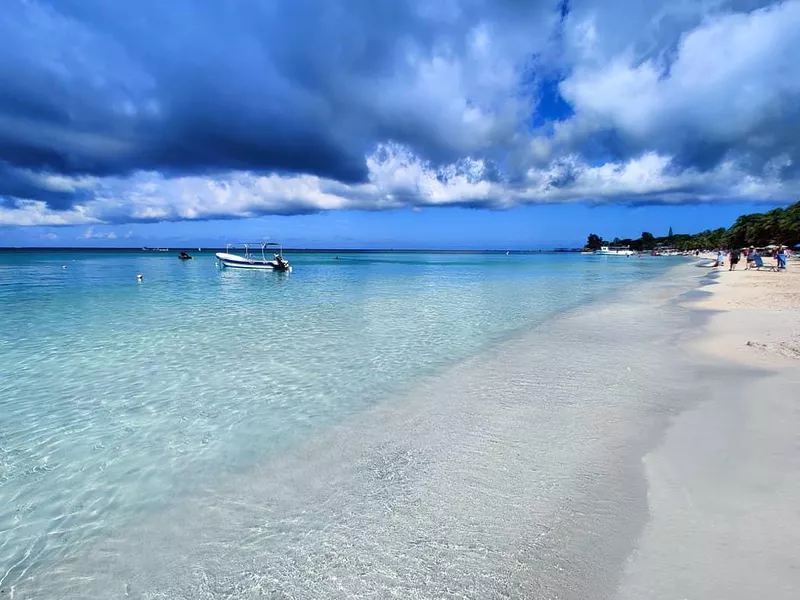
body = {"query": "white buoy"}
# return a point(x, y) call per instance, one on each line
point(139, 278)
point(63, 266)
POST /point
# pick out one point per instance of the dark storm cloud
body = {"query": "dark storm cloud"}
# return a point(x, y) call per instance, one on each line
point(16, 184)
point(142, 111)
point(102, 88)
point(106, 88)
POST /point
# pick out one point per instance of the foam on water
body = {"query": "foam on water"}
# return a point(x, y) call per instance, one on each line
point(327, 434)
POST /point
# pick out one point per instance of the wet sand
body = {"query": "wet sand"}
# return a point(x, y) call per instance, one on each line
point(724, 486)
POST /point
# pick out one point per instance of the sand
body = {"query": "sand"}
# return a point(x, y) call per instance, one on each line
point(724, 485)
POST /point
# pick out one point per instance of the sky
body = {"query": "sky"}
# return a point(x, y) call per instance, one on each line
point(405, 123)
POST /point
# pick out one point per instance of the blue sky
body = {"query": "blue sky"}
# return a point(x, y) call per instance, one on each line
point(524, 227)
point(467, 123)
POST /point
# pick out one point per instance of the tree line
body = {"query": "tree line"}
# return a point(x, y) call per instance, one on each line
point(780, 226)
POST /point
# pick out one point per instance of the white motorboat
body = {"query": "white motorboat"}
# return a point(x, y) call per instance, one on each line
point(615, 251)
point(253, 259)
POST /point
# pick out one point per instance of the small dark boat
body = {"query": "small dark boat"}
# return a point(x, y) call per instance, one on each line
point(185, 256)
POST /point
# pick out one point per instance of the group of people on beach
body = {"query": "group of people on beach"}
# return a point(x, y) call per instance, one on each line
point(752, 258)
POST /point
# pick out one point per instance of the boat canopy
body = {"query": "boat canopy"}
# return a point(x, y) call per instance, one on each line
point(263, 245)
point(256, 244)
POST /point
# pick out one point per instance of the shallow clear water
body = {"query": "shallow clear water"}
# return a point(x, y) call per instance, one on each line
point(122, 402)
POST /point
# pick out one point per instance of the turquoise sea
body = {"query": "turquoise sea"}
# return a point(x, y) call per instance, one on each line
point(136, 418)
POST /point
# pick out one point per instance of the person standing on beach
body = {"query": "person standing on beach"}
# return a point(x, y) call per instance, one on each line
point(733, 258)
point(780, 258)
point(720, 258)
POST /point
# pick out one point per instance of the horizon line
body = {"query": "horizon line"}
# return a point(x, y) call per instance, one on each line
point(290, 249)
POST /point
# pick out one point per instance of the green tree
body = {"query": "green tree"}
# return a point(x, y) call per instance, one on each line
point(743, 232)
point(594, 242)
point(778, 226)
point(790, 225)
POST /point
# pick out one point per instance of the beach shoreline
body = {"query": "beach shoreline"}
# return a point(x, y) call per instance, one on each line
point(723, 485)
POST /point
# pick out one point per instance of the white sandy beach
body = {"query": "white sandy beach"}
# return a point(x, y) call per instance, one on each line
point(724, 485)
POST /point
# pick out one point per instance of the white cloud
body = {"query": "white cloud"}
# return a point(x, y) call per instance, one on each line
point(35, 212)
point(91, 234)
point(399, 178)
point(724, 83)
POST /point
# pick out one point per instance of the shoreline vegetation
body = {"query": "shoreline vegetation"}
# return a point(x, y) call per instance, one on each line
point(779, 227)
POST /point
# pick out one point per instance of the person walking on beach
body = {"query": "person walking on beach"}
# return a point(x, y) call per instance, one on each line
point(751, 258)
point(733, 258)
point(720, 258)
point(780, 258)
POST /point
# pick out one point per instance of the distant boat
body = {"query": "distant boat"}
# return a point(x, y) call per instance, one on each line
point(185, 256)
point(615, 251)
point(666, 252)
point(251, 260)
point(587, 251)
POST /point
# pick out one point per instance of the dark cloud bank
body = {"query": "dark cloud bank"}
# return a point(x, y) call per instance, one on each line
point(97, 90)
